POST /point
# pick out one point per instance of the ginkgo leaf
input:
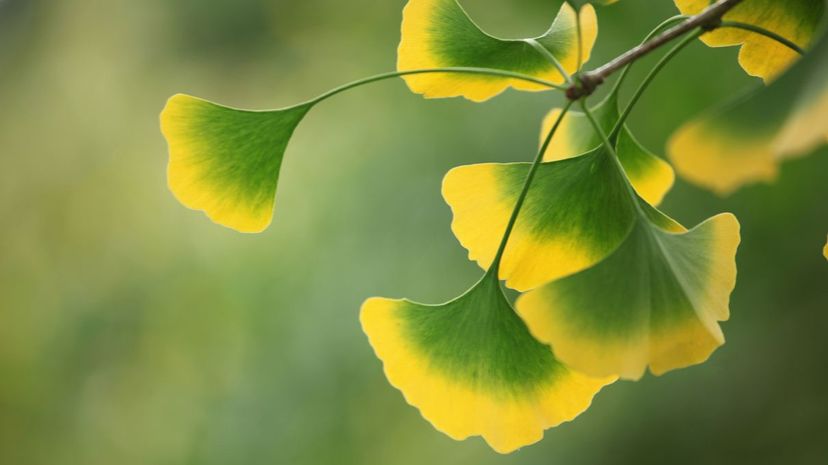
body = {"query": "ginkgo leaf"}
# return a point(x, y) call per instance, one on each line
point(743, 141)
point(576, 212)
point(795, 20)
point(655, 301)
point(651, 176)
point(439, 33)
point(226, 161)
point(806, 126)
point(574, 215)
point(472, 368)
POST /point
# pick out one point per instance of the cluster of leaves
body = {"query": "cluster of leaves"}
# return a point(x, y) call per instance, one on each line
point(610, 285)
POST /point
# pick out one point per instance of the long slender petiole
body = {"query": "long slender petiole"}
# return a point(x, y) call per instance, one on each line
point(614, 155)
point(597, 128)
point(456, 70)
point(580, 39)
point(649, 79)
point(762, 31)
point(494, 268)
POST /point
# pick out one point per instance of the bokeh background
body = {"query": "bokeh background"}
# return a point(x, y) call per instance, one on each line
point(134, 331)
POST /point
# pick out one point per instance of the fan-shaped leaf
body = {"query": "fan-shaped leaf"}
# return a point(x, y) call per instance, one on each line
point(654, 301)
point(743, 141)
point(651, 176)
point(575, 214)
point(226, 161)
point(439, 33)
point(796, 20)
point(472, 368)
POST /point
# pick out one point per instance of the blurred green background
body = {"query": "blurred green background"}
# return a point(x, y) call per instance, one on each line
point(134, 331)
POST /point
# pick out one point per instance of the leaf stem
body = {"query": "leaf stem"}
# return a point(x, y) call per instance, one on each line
point(494, 268)
point(614, 155)
point(762, 31)
point(580, 39)
point(601, 134)
point(455, 70)
point(649, 79)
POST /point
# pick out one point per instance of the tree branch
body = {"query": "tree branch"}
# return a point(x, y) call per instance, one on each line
point(709, 19)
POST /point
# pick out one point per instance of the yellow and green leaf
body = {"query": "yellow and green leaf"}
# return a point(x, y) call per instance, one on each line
point(795, 20)
point(576, 212)
point(743, 141)
point(574, 215)
point(806, 126)
point(439, 34)
point(472, 368)
point(226, 161)
point(651, 176)
point(655, 301)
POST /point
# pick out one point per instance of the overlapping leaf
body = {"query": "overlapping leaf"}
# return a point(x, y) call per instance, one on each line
point(439, 33)
point(226, 161)
point(582, 237)
point(743, 141)
point(651, 176)
point(472, 368)
point(576, 213)
point(796, 20)
point(617, 286)
point(655, 301)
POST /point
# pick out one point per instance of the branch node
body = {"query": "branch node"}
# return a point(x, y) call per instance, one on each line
point(585, 85)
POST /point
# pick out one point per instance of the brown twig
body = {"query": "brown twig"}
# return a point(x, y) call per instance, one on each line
point(709, 19)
